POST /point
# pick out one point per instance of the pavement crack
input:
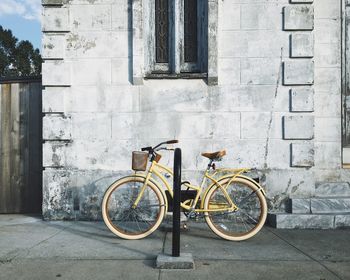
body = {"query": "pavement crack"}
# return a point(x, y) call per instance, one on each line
point(305, 254)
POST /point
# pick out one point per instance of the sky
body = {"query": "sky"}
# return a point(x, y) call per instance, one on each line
point(23, 18)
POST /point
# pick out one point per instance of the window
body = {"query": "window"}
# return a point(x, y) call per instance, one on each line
point(176, 43)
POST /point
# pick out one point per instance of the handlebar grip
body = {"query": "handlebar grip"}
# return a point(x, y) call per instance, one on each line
point(172, 141)
point(146, 149)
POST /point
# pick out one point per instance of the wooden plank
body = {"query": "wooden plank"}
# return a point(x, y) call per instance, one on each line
point(16, 179)
point(5, 172)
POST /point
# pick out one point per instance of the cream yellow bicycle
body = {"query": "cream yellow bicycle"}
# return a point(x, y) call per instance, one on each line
point(233, 204)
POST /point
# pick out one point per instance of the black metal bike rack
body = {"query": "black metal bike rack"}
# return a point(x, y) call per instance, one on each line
point(176, 203)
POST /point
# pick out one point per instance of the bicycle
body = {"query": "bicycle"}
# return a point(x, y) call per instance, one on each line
point(233, 204)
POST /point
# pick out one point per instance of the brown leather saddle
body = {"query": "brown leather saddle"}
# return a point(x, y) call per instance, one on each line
point(215, 156)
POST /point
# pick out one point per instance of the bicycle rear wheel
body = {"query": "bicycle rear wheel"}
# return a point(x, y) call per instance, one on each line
point(243, 223)
point(124, 220)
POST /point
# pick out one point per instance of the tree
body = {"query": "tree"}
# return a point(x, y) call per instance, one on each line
point(17, 58)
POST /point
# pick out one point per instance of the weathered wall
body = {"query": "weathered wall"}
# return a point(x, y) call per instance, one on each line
point(277, 105)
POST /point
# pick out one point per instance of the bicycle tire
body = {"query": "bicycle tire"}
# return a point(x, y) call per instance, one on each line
point(235, 228)
point(117, 202)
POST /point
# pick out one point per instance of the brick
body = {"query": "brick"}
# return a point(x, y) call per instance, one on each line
point(327, 31)
point(298, 72)
point(120, 20)
point(56, 73)
point(342, 221)
point(328, 80)
point(299, 17)
point(327, 105)
point(119, 75)
point(54, 99)
point(298, 127)
point(327, 55)
point(302, 154)
point(57, 127)
point(302, 44)
point(55, 19)
point(301, 1)
point(327, 9)
point(53, 46)
point(302, 100)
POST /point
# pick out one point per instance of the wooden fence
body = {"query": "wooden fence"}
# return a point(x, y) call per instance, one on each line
point(21, 146)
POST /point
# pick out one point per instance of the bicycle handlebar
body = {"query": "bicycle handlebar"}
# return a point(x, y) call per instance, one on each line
point(152, 149)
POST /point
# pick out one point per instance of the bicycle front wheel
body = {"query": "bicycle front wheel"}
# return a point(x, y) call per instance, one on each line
point(130, 222)
point(242, 223)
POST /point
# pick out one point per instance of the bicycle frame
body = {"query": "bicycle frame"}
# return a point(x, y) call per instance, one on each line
point(156, 169)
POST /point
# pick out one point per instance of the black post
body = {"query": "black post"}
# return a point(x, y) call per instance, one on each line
point(176, 203)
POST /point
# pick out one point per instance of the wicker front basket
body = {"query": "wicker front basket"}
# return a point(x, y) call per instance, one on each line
point(139, 161)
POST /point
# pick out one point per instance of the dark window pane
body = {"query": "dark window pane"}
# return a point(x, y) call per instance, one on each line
point(190, 30)
point(162, 31)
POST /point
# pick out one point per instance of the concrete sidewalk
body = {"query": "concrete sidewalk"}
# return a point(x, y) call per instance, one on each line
point(33, 249)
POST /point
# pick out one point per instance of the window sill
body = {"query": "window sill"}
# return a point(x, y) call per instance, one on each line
point(177, 76)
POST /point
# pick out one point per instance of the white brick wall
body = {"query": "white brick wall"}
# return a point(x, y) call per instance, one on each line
point(277, 60)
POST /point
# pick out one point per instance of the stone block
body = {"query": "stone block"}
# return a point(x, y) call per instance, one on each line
point(260, 16)
point(184, 261)
point(300, 205)
point(56, 73)
point(120, 16)
point(299, 17)
point(57, 127)
point(302, 154)
point(328, 80)
point(231, 11)
point(91, 72)
point(298, 72)
point(93, 44)
point(327, 9)
point(328, 129)
point(55, 19)
point(298, 127)
point(301, 221)
point(329, 189)
point(83, 122)
point(328, 155)
point(54, 99)
point(342, 221)
point(253, 43)
point(346, 155)
point(302, 45)
point(260, 125)
point(259, 71)
point(54, 154)
point(172, 96)
point(302, 100)
point(327, 31)
point(327, 105)
point(330, 205)
point(90, 17)
point(53, 46)
point(327, 55)
point(229, 71)
point(301, 1)
point(120, 72)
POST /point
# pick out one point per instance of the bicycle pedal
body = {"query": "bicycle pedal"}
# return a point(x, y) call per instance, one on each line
point(184, 226)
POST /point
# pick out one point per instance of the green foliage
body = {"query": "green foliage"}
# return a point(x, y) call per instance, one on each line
point(17, 58)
